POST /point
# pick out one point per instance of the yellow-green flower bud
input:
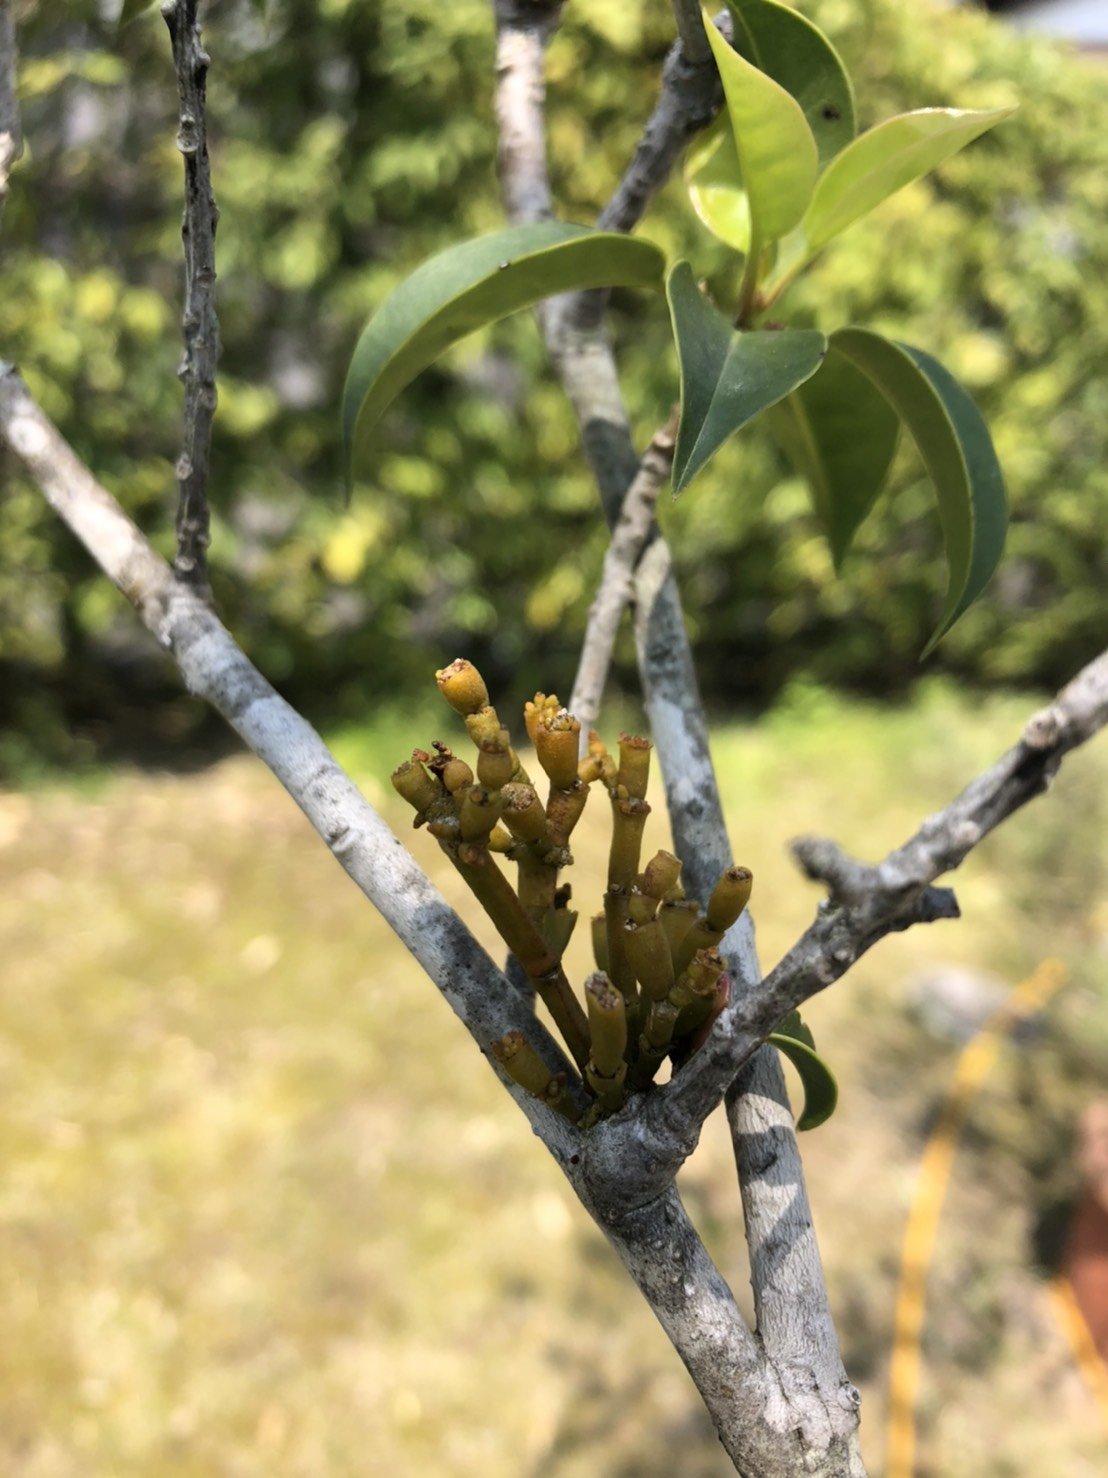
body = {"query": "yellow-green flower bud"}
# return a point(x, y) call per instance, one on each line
point(456, 775)
point(495, 761)
point(462, 686)
point(480, 812)
point(536, 711)
point(523, 814)
point(729, 897)
point(634, 764)
point(661, 874)
point(417, 787)
point(556, 746)
point(483, 726)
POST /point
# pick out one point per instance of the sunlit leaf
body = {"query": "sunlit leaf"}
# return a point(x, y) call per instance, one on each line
point(840, 433)
point(957, 451)
point(714, 179)
point(777, 153)
point(790, 49)
point(874, 167)
point(727, 376)
point(821, 1092)
point(469, 286)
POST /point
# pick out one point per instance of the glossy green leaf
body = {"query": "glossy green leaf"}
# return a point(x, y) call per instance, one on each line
point(777, 153)
point(957, 451)
point(790, 49)
point(714, 179)
point(727, 377)
point(473, 284)
point(821, 1092)
point(877, 165)
point(840, 433)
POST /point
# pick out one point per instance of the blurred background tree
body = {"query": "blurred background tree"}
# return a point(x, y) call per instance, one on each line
point(353, 138)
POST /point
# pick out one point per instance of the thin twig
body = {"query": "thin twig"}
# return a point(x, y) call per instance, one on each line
point(690, 28)
point(201, 327)
point(691, 95)
point(617, 579)
point(11, 135)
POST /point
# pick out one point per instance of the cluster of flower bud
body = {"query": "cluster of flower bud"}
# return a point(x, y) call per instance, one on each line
point(660, 980)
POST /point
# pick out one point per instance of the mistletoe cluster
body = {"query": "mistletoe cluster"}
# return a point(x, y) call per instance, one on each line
point(660, 980)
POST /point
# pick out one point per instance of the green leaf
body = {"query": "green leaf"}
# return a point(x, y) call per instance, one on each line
point(821, 1092)
point(957, 451)
point(727, 377)
point(840, 433)
point(790, 49)
point(714, 180)
point(134, 8)
point(777, 153)
point(876, 166)
point(469, 286)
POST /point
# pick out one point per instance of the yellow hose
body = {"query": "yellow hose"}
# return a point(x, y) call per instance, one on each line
point(974, 1065)
point(1085, 1353)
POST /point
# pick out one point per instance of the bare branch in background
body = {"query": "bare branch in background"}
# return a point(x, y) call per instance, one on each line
point(526, 29)
point(11, 136)
point(201, 327)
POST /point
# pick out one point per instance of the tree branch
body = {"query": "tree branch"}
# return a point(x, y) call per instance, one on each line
point(214, 668)
point(201, 327)
point(792, 1312)
point(524, 29)
point(690, 28)
point(765, 1432)
point(11, 135)
point(636, 519)
point(653, 1237)
point(581, 352)
point(868, 902)
point(690, 98)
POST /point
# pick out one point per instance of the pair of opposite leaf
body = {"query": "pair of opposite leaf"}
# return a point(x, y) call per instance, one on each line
point(777, 176)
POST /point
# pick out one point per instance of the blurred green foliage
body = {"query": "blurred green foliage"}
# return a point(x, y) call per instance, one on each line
point(350, 140)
